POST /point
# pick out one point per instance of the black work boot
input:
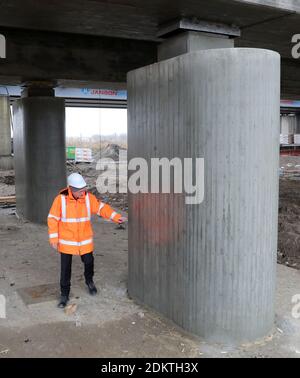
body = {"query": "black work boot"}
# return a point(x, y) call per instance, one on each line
point(92, 288)
point(63, 301)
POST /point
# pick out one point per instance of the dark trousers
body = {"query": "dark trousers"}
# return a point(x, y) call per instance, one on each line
point(66, 271)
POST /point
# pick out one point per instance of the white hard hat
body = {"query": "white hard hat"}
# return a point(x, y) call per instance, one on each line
point(76, 180)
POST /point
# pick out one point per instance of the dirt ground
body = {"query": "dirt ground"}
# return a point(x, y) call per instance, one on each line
point(109, 324)
point(289, 212)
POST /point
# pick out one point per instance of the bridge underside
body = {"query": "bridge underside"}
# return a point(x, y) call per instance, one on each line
point(96, 43)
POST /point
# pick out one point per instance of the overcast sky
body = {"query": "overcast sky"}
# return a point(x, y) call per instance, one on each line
point(89, 121)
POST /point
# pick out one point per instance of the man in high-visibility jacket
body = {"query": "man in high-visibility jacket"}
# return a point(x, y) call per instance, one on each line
point(70, 230)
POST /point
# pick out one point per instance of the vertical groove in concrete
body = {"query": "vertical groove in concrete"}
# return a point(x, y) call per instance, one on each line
point(6, 160)
point(40, 154)
point(209, 267)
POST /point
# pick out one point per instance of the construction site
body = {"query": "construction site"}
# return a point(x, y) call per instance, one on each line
point(204, 263)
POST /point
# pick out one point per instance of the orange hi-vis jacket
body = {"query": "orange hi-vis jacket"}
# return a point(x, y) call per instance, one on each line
point(69, 221)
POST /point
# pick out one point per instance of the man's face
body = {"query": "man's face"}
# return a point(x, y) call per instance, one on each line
point(78, 193)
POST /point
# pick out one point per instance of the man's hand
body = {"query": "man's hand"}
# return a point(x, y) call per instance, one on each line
point(122, 220)
point(54, 245)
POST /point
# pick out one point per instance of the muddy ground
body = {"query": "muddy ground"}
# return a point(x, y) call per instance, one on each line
point(289, 223)
point(289, 212)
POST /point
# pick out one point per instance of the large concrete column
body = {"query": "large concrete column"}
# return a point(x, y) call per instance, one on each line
point(288, 124)
point(209, 267)
point(6, 160)
point(39, 151)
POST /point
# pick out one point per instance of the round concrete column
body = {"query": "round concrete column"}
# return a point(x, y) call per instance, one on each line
point(40, 155)
point(6, 160)
point(298, 123)
point(210, 267)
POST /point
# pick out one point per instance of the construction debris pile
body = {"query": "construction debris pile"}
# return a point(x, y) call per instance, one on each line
point(290, 167)
point(7, 192)
point(289, 212)
point(289, 223)
point(7, 183)
point(92, 171)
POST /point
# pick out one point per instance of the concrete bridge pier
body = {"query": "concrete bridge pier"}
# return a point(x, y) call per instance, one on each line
point(6, 159)
point(209, 267)
point(39, 145)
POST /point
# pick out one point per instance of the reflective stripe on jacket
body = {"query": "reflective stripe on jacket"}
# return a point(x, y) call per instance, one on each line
point(69, 221)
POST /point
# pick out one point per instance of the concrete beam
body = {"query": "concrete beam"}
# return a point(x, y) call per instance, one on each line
point(290, 79)
point(287, 5)
point(197, 25)
point(32, 55)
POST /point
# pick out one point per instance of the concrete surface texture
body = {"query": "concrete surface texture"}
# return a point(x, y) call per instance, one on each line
point(110, 324)
point(61, 56)
point(288, 125)
point(6, 161)
point(188, 261)
point(136, 20)
point(290, 5)
point(186, 42)
point(39, 154)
